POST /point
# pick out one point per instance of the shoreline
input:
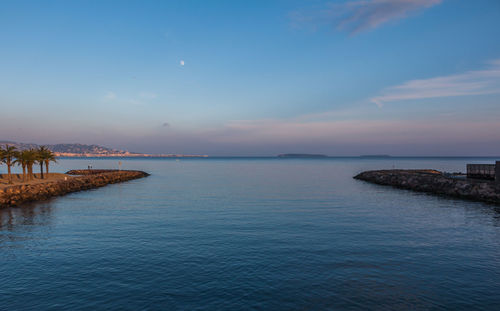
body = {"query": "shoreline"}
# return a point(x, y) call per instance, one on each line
point(78, 180)
point(436, 182)
point(126, 155)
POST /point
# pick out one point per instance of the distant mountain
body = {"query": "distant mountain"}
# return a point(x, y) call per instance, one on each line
point(80, 148)
point(17, 145)
point(72, 149)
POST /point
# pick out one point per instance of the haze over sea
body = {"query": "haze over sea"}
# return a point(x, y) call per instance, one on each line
point(251, 233)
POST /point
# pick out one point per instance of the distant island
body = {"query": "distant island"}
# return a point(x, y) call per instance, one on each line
point(91, 151)
point(375, 156)
point(301, 155)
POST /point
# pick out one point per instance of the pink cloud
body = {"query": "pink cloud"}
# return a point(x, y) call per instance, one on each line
point(360, 15)
point(355, 131)
point(478, 82)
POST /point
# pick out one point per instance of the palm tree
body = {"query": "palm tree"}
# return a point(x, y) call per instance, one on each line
point(30, 158)
point(1, 155)
point(46, 156)
point(8, 157)
point(23, 159)
point(39, 159)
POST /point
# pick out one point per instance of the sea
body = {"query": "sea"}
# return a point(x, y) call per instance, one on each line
point(251, 234)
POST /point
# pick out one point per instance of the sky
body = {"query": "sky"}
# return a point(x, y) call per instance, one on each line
point(256, 78)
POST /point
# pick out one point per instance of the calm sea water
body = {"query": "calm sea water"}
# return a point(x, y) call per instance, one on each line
point(264, 234)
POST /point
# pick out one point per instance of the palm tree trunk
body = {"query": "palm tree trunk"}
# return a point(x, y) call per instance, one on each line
point(8, 172)
point(41, 170)
point(24, 172)
point(47, 168)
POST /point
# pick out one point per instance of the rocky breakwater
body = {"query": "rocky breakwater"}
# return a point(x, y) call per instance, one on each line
point(18, 194)
point(436, 182)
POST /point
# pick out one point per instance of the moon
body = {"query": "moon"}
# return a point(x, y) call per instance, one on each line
point(181, 62)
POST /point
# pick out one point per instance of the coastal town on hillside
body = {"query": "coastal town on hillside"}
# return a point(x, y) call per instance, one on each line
point(94, 151)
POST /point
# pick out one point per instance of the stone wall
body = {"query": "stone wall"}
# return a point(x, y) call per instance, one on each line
point(435, 182)
point(18, 194)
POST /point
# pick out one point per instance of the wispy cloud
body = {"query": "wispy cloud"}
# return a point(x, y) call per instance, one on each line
point(109, 96)
point(477, 82)
point(359, 15)
point(138, 99)
point(362, 132)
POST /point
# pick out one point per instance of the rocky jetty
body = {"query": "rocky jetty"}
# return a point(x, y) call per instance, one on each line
point(436, 182)
point(18, 194)
point(92, 172)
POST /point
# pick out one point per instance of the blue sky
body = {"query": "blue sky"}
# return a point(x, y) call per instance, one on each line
point(401, 77)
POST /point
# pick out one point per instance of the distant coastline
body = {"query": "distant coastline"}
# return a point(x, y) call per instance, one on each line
point(94, 151)
point(301, 155)
point(125, 155)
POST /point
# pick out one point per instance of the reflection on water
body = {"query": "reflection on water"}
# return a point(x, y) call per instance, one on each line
point(18, 223)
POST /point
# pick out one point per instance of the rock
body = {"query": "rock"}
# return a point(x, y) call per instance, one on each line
point(18, 194)
point(432, 181)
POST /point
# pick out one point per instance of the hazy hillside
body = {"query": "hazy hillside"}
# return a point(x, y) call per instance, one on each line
point(69, 148)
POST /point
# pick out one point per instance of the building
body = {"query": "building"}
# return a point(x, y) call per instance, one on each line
point(484, 171)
